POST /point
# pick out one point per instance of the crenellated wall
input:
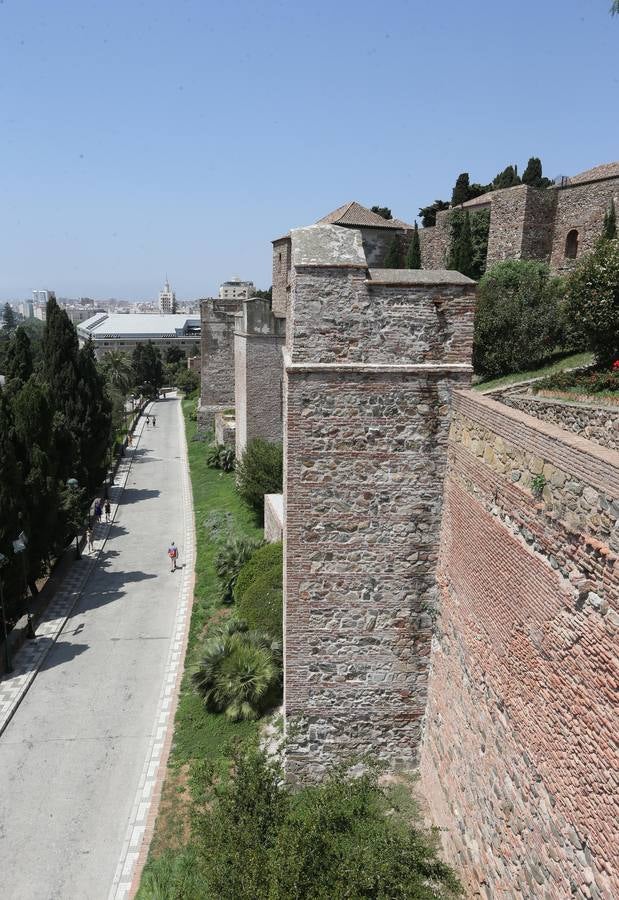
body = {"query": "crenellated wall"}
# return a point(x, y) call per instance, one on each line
point(519, 746)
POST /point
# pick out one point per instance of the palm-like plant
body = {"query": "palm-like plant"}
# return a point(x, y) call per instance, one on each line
point(230, 558)
point(118, 371)
point(240, 671)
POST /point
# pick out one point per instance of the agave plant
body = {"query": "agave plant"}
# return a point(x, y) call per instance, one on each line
point(240, 671)
point(229, 561)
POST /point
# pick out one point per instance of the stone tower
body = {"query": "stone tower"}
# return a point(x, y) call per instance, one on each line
point(371, 358)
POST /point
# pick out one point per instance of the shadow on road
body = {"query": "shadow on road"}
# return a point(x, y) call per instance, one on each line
point(137, 495)
point(63, 652)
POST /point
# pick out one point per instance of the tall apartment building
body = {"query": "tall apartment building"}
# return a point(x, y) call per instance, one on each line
point(235, 289)
point(167, 300)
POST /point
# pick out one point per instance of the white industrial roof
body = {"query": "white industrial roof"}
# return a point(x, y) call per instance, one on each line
point(113, 325)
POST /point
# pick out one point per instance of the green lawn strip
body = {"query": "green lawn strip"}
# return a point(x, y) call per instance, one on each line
point(567, 362)
point(198, 734)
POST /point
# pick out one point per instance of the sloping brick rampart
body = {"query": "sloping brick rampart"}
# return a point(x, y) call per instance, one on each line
point(519, 748)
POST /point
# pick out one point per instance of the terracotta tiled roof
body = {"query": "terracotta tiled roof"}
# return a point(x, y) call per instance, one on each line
point(359, 216)
point(606, 170)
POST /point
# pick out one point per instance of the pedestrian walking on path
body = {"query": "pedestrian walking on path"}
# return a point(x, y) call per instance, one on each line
point(154, 421)
point(90, 546)
point(148, 420)
point(108, 512)
point(173, 554)
point(98, 511)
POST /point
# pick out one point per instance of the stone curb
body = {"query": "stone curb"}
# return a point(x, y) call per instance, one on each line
point(32, 654)
point(146, 803)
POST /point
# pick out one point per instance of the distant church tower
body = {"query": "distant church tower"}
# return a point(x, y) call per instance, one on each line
point(167, 299)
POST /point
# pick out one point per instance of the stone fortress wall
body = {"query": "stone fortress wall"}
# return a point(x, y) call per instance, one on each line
point(217, 354)
point(258, 341)
point(371, 360)
point(529, 223)
point(519, 745)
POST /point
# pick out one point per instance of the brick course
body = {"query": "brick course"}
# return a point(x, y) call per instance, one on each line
point(522, 712)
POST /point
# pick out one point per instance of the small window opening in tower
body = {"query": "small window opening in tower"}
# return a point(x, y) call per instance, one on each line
point(571, 244)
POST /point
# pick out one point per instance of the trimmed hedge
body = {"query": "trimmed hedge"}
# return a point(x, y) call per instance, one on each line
point(258, 591)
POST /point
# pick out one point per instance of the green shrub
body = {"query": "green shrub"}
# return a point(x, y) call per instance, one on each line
point(592, 301)
point(518, 320)
point(186, 380)
point(240, 671)
point(591, 382)
point(218, 456)
point(231, 557)
point(345, 838)
point(259, 472)
point(258, 591)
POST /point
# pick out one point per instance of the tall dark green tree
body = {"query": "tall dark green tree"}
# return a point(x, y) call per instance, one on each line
point(147, 367)
point(94, 409)
point(609, 230)
point(460, 193)
point(461, 257)
point(507, 178)
point(413, 257)
point(395, 256)
point(19, 362)
point(428, 213)
point(532, 174)
point(8, 317)
point(11, 504)
point(382, 211)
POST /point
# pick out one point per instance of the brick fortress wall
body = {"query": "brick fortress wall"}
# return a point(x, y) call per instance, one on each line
point(519, 747)
point(365, 448)
point(217, 352)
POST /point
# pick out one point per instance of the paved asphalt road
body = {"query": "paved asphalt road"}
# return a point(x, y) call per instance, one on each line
point(71, 758)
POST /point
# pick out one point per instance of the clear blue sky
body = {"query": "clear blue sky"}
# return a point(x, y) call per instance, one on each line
point(140, 138)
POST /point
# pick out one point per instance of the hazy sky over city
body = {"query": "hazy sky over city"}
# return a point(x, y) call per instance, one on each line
point(141, 138)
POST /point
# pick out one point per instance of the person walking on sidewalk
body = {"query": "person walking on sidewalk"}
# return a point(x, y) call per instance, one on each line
point(173, 554)
point(90, 546)
point(154, 421)
point(108, 512)
point(98, 511)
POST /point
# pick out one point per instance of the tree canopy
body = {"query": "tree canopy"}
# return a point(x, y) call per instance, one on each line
point(382, 211)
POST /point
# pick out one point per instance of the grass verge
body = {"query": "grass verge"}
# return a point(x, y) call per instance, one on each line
point(198, 735)
point(574, 361)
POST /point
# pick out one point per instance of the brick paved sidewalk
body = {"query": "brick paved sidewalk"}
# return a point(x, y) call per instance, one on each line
point(29, 658)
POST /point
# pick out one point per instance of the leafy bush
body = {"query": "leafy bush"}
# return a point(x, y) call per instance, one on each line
point(218, 456)
point(592, 301)
point(591, 382)
point(258, 592)
point(259, 472)
point(518, 318)
point(240, 672)
point(231, 557)
point(345, 838)
point(186, 380)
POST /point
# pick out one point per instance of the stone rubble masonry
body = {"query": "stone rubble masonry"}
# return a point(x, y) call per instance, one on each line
point(273, 517)
point(281, 274)
point(225, 429)
point(370, 364)
point(529, 223)
point(519, 754)
point(217, 351)
point(258, 342)
point(596, 422)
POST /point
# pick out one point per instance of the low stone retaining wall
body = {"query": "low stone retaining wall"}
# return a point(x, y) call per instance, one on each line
point(598, 423)
point(225, 429)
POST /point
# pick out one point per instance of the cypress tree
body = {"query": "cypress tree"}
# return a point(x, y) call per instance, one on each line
point(393, 259)
point(460, 193)
point(413, 257)
point(507, 178)
point(19, 357)
point(11, 504)
point(609, 230)
point(8, 317)
point(462, 254)
point(95, 413)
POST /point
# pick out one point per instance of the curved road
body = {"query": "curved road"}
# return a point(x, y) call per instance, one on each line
point(72, 756)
